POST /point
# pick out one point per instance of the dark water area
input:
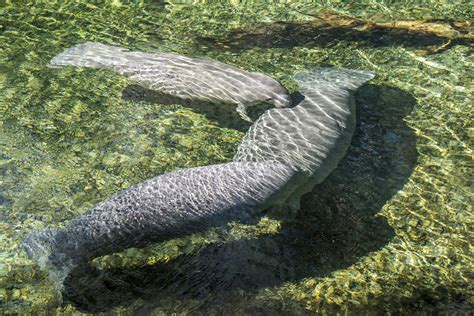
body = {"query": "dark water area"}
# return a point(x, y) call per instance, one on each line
point(311, 34)
point(224, 115)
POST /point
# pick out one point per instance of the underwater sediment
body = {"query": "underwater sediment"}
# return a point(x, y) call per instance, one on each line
point(389, 229)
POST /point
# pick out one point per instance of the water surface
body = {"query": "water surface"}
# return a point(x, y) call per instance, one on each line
point(388, 230)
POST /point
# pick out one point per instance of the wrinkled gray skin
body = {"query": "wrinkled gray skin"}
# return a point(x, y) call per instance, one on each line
point(283, 155)
point(180, 76)
point(167, 206)
point(312, 136)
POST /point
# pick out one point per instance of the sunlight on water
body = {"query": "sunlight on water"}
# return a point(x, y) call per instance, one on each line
point(389, 229)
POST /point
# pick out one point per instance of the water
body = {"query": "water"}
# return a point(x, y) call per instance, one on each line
point(389, 229)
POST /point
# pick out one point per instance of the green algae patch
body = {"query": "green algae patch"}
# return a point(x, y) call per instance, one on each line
point(390, 230)
point(166, 251)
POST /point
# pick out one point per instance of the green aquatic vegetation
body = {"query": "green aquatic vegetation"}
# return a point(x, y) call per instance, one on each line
point(389, 230)
point(166, 251)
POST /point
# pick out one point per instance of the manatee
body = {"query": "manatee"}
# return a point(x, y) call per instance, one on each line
point(187, 78)
point(312, 136)
point(167, 206)
point(283, 155)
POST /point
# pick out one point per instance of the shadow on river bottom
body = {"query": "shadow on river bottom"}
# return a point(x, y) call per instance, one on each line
point(337, 225)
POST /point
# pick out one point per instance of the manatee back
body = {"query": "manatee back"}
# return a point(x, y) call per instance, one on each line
point(167, 206)
point(312, 136)
point(175, 204)
point(179, 76)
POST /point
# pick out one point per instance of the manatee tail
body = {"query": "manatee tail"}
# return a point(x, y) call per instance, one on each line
point(91, 54)
point(42, 248)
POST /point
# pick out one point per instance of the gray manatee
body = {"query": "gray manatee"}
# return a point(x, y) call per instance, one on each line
point(167, 206)
point(283, 155)
point(312, 136)
point(184, 77)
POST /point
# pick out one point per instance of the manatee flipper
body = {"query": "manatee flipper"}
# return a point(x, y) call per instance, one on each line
point(312, 136)
point(183, 77)
point(242, 110)
point(167, 206)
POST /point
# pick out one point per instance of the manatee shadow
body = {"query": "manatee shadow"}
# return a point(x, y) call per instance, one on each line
point(336, 226)
point(311, 34)
point(224, 115)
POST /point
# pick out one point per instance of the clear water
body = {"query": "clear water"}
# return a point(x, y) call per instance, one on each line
point(390, 230)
